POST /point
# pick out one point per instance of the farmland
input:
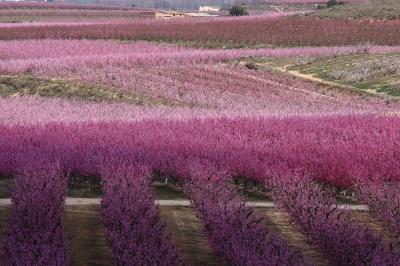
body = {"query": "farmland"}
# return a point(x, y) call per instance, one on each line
point(373, 9)
point(300, 31)
point(256, 140)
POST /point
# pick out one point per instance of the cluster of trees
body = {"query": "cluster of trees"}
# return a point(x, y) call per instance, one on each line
point(280, 153)
point(238, 10)
point(300, 31)
point(332, 3)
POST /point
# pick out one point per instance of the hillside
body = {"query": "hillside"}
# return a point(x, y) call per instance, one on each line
point(371, 9)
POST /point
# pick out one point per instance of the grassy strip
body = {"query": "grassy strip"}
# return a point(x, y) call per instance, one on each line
point(13, 86)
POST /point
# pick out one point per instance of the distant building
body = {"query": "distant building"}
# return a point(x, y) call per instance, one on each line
point(170, 14)
point(209, 8)
point(201, 15)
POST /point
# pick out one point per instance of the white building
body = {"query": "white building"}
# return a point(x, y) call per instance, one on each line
point(209, 8)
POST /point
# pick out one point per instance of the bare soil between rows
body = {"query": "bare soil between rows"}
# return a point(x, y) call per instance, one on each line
point(87, 245)
point(86, 240)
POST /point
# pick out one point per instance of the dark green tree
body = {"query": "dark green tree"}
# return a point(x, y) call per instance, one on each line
point(238, 10)
point(332, 3)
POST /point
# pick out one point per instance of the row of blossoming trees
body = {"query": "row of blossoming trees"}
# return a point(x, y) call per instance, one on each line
point(288, 155)
point(176, 76)
point(298, 31)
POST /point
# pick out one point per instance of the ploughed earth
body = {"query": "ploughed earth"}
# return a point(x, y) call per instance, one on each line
point(87, 245)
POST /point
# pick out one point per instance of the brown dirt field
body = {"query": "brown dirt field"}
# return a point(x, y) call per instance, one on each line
point(85, 236)
point(87, 245)
point(366, 219)
point(86, 241)
point(4, 212)
point(186, 233)
point(279, 222)
point(5, 187)
point(84, 233)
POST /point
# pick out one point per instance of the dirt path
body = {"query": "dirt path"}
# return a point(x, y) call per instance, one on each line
point(316, 94)
point(4, 213)
point(186, 233)
point(86, 242)
point(87, 245)
point(310, 77)
point(181, 203)
point(309, 92)
point(279, 222)
point(85, 236)
point(366, 219)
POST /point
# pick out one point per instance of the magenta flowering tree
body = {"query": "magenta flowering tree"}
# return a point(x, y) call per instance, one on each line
point(131, 220)
point(342, 241)
point(331, 149)
point(57, 6)
point(299, 31)
point(176, 76)
point(383, 199)
point(235, 233)
point(35, 229)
